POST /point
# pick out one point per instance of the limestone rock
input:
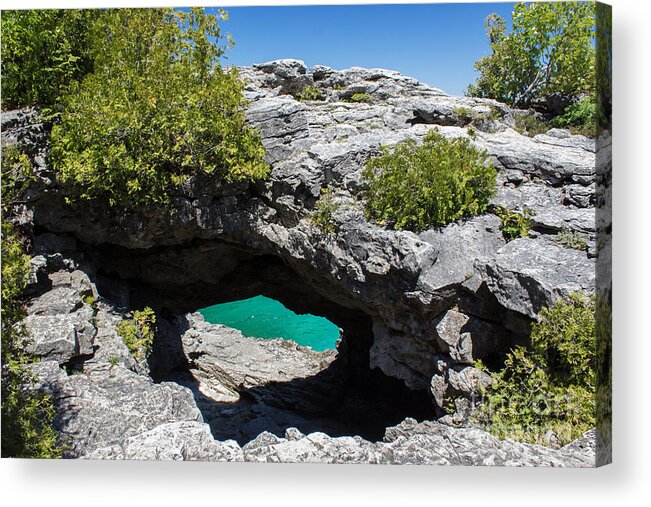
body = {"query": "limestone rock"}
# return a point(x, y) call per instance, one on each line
point(468, 339)
point(434, 443)
point(528, 274)
point(186, 440)
point(60, 324)
point(104, 406)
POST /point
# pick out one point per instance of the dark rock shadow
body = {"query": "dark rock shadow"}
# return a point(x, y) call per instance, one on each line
point(346, 398)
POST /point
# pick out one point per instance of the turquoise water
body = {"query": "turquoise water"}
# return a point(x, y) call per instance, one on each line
point(263, 317)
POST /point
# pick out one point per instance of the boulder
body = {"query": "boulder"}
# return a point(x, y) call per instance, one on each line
point(466, 338)
point(529, 274)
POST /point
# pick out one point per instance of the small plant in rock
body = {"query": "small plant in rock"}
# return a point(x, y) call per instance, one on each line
point(515, 224)
point(113, 361)
point(17, 174)
point(90, 300)
point(429, 185)
point(359, 97)
point(472, 133)
point(462, 113)
point(309, 93)
point(571, 239)
point(494, 113)
point(323, 214)
point(138, 332)
point(531, 125)
point(551, 385)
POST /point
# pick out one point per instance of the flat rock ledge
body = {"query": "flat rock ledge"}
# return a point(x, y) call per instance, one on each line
point(408, 443)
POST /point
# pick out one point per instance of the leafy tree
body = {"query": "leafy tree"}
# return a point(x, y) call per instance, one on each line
point(42, 52)
point(552, 385)
point(158, 109)
point(550, 49)
point(415, 187)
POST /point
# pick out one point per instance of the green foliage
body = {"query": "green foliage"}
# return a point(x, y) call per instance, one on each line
point(579, 118)
point(463, 113)
point(113, 360)
point(138, 332)
point(309, 93)
point(417, 187)
point(27, 415)
point(323, 214)
point(89, 300)
point(514, 224)
point(571, 239)
point(548, 50)
point(152, 115)
point(17, 174)
point(43, 51)
point(359, 97)
point(551, 386)
point(531, 125)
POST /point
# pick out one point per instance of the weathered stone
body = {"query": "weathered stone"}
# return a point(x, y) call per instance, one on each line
point(467, 338)
point(452, 381)
point(61, 337)
point(224, 356)
point(287, 68)
point(434, 443)
point(104, 406)
point(528, 274)
point(186, 440)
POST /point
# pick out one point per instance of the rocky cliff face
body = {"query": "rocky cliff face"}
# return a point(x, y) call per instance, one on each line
point(419, 308)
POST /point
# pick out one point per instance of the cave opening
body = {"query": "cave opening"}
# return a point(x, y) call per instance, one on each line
point(344, 396)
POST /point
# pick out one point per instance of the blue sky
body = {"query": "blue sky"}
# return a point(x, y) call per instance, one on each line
point(435, 43)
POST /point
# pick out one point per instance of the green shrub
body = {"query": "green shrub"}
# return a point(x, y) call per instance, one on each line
point(309, 93)
point(494, 113)
point(138, 332)
point(17, 174)
point(514, 224)
point(462, 113)
point(359, 97)
point(571, 239)
point(552, 385)
point(152, 115)
point(27, 415)
point(579, 118)
point(531, 125)
point(43, 51)
point(322, 216)
point(416, 187)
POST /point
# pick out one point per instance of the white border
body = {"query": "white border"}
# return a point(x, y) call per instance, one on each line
point(107, 483)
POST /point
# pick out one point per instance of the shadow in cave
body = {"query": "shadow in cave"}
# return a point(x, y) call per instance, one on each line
point(345, 398)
